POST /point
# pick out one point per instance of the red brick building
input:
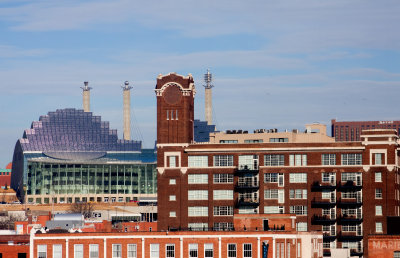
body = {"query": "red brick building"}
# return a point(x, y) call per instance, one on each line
point(351, 130)
point(345, 189)
point(5, 177)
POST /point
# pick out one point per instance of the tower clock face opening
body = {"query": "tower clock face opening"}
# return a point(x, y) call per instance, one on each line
point(172, 94)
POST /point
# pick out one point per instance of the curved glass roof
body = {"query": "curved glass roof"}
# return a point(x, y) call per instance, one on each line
point(73, 130)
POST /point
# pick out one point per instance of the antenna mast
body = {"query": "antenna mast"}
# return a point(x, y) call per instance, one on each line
point(208, 96)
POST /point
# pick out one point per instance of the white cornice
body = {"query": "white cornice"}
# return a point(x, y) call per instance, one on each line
point(161, 145)
point(298, 149)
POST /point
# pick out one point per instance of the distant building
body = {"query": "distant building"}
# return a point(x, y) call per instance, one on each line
point(351, 130)
point(202, 131)
point(5, 176)
point(72, 156)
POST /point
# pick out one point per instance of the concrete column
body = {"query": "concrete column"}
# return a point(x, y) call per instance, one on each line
point(208, 105)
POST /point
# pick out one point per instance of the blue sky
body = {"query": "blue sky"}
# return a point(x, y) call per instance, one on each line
point(276, 64)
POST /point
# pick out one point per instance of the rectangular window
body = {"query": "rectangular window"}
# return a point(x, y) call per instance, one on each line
point(198, 211)
point(172, 197)
point(328, 159)
point(274, 209)
point(42, 251)
point(93, 251)
point(378, 210)
point(301, 226)
point(378, 227)
point(349, 228)
point(223, 226)
point(378, 177)
point(116, 251)
point(350, 176)
point(298, 193)
point(349, 195)
point(396, 254)
point(172, 181)
point(232, 250)
point(298, 210)
point(193, 250)
point(198, 226)
point(351, 159)
point(196, 195)
point(378, 193)
point(154, 250)
point(198, 161)
point(172, 214)
point(198, 179)
point(249, 162)
point(228, 141)
point(208, 250)
point(247, 250)
point(172, 161)
point(271, 177)
point(274, 160)
point(254, 141)
point(223, 178)
point(223, 211)
point(170, 250)
point(329, 177)
point(298, 178)
point(132, 251)
point(378, 158)
point(223, 195)
point(223, 160)
point(57, 251)
point(78, 251)
point(271, 194)
point(298, 160)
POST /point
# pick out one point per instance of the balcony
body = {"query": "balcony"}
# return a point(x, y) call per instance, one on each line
point(248, 202)
point(322, 220)
point(247, 186)
point(246, 170)
point(356, 252)
point(323, 203)
point(319, 187)
point(328, 237)
point(350, 236)
point(350, 219)
point(350, 186)
point(354, 202)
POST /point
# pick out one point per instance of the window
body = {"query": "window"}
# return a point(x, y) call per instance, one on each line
point(298, 177)
point(223, 178)
point(378, 227)
point(223, 210)
point(278, 139)
point(198, 226)
point(198, 161)
point(247, 250)
point(301, 226)
point(351, 159)
point(222, 226)
point(274, 160)
point(197, 179)
point(228, 141)
point(198, 211)
point(298, 160)
point(274, 209)
point(248, 162)
point(93, 251)
point(193, 250)
point(348, 176)
point(271, 193)
point(328, 159)
point(208, 250)
point(378, 158)
point(172, 161)
point(231, 250)
point(116, 251)
point(396, 254)
point(378, 193)
point(254, 141)
point(378, 210)
point(78, 251)
point(223, 160)
point(349, 195)
point(194, 195)
point(326, 194)
point(378, 177)
point(154, 250)
point(42, 251)
point(298, 193)
point(349, 228)
point(223, 195)
point(271, 177)
point(172, 181)
point(298, 210)
point(329, 177)
point(170, 250)
point(172, 197)
point(172, 214)
point(57, 251)
point(132, 251)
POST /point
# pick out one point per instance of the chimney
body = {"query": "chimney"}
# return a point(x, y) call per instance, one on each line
point(208, 96)
point(86, 96)
point(127, 110)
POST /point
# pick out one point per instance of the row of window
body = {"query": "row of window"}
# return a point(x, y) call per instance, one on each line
point(251, 161)
point(93, 251)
